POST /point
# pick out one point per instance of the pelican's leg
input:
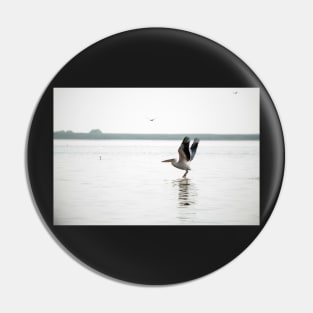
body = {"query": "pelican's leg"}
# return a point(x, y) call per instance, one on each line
point(185, 174)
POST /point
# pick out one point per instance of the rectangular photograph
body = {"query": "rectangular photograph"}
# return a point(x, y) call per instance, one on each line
point(156, 156)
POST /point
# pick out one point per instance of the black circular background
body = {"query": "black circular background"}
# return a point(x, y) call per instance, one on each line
point(155, 57)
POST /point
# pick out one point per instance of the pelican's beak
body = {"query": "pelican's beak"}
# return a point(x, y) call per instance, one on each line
point(170, 160)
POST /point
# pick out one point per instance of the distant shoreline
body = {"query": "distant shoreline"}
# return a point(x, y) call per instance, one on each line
point(98, 135)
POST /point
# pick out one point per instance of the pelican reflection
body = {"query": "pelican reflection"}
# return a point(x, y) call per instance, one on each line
point(187, 192)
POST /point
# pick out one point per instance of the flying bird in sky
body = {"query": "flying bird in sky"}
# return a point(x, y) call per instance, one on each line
point(152, 119)
point(186, 155)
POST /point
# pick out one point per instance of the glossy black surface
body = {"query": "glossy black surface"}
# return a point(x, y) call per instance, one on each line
point(155, 58)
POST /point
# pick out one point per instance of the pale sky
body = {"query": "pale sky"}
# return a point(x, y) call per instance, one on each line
point(176, 110)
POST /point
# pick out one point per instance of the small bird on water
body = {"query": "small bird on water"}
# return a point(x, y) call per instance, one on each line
point(186, 155)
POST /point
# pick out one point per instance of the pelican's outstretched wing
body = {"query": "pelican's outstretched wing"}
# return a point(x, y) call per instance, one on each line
point(194, 147)
point(184, 153)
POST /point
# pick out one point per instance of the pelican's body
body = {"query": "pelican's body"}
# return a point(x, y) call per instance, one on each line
point(186, 155)
point(181, 165)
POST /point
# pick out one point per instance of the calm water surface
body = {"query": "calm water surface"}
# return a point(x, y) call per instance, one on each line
point(124, 182)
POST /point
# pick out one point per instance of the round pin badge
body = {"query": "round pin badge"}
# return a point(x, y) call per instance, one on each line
point(155, 156)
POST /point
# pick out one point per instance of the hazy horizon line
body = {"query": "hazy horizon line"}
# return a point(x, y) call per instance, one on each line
point(98, 135)
point(136, 133)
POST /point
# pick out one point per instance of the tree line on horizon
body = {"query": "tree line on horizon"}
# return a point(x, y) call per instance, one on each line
point(97, 134)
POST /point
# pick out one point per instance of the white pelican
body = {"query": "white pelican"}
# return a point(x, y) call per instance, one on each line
point(186, 155)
